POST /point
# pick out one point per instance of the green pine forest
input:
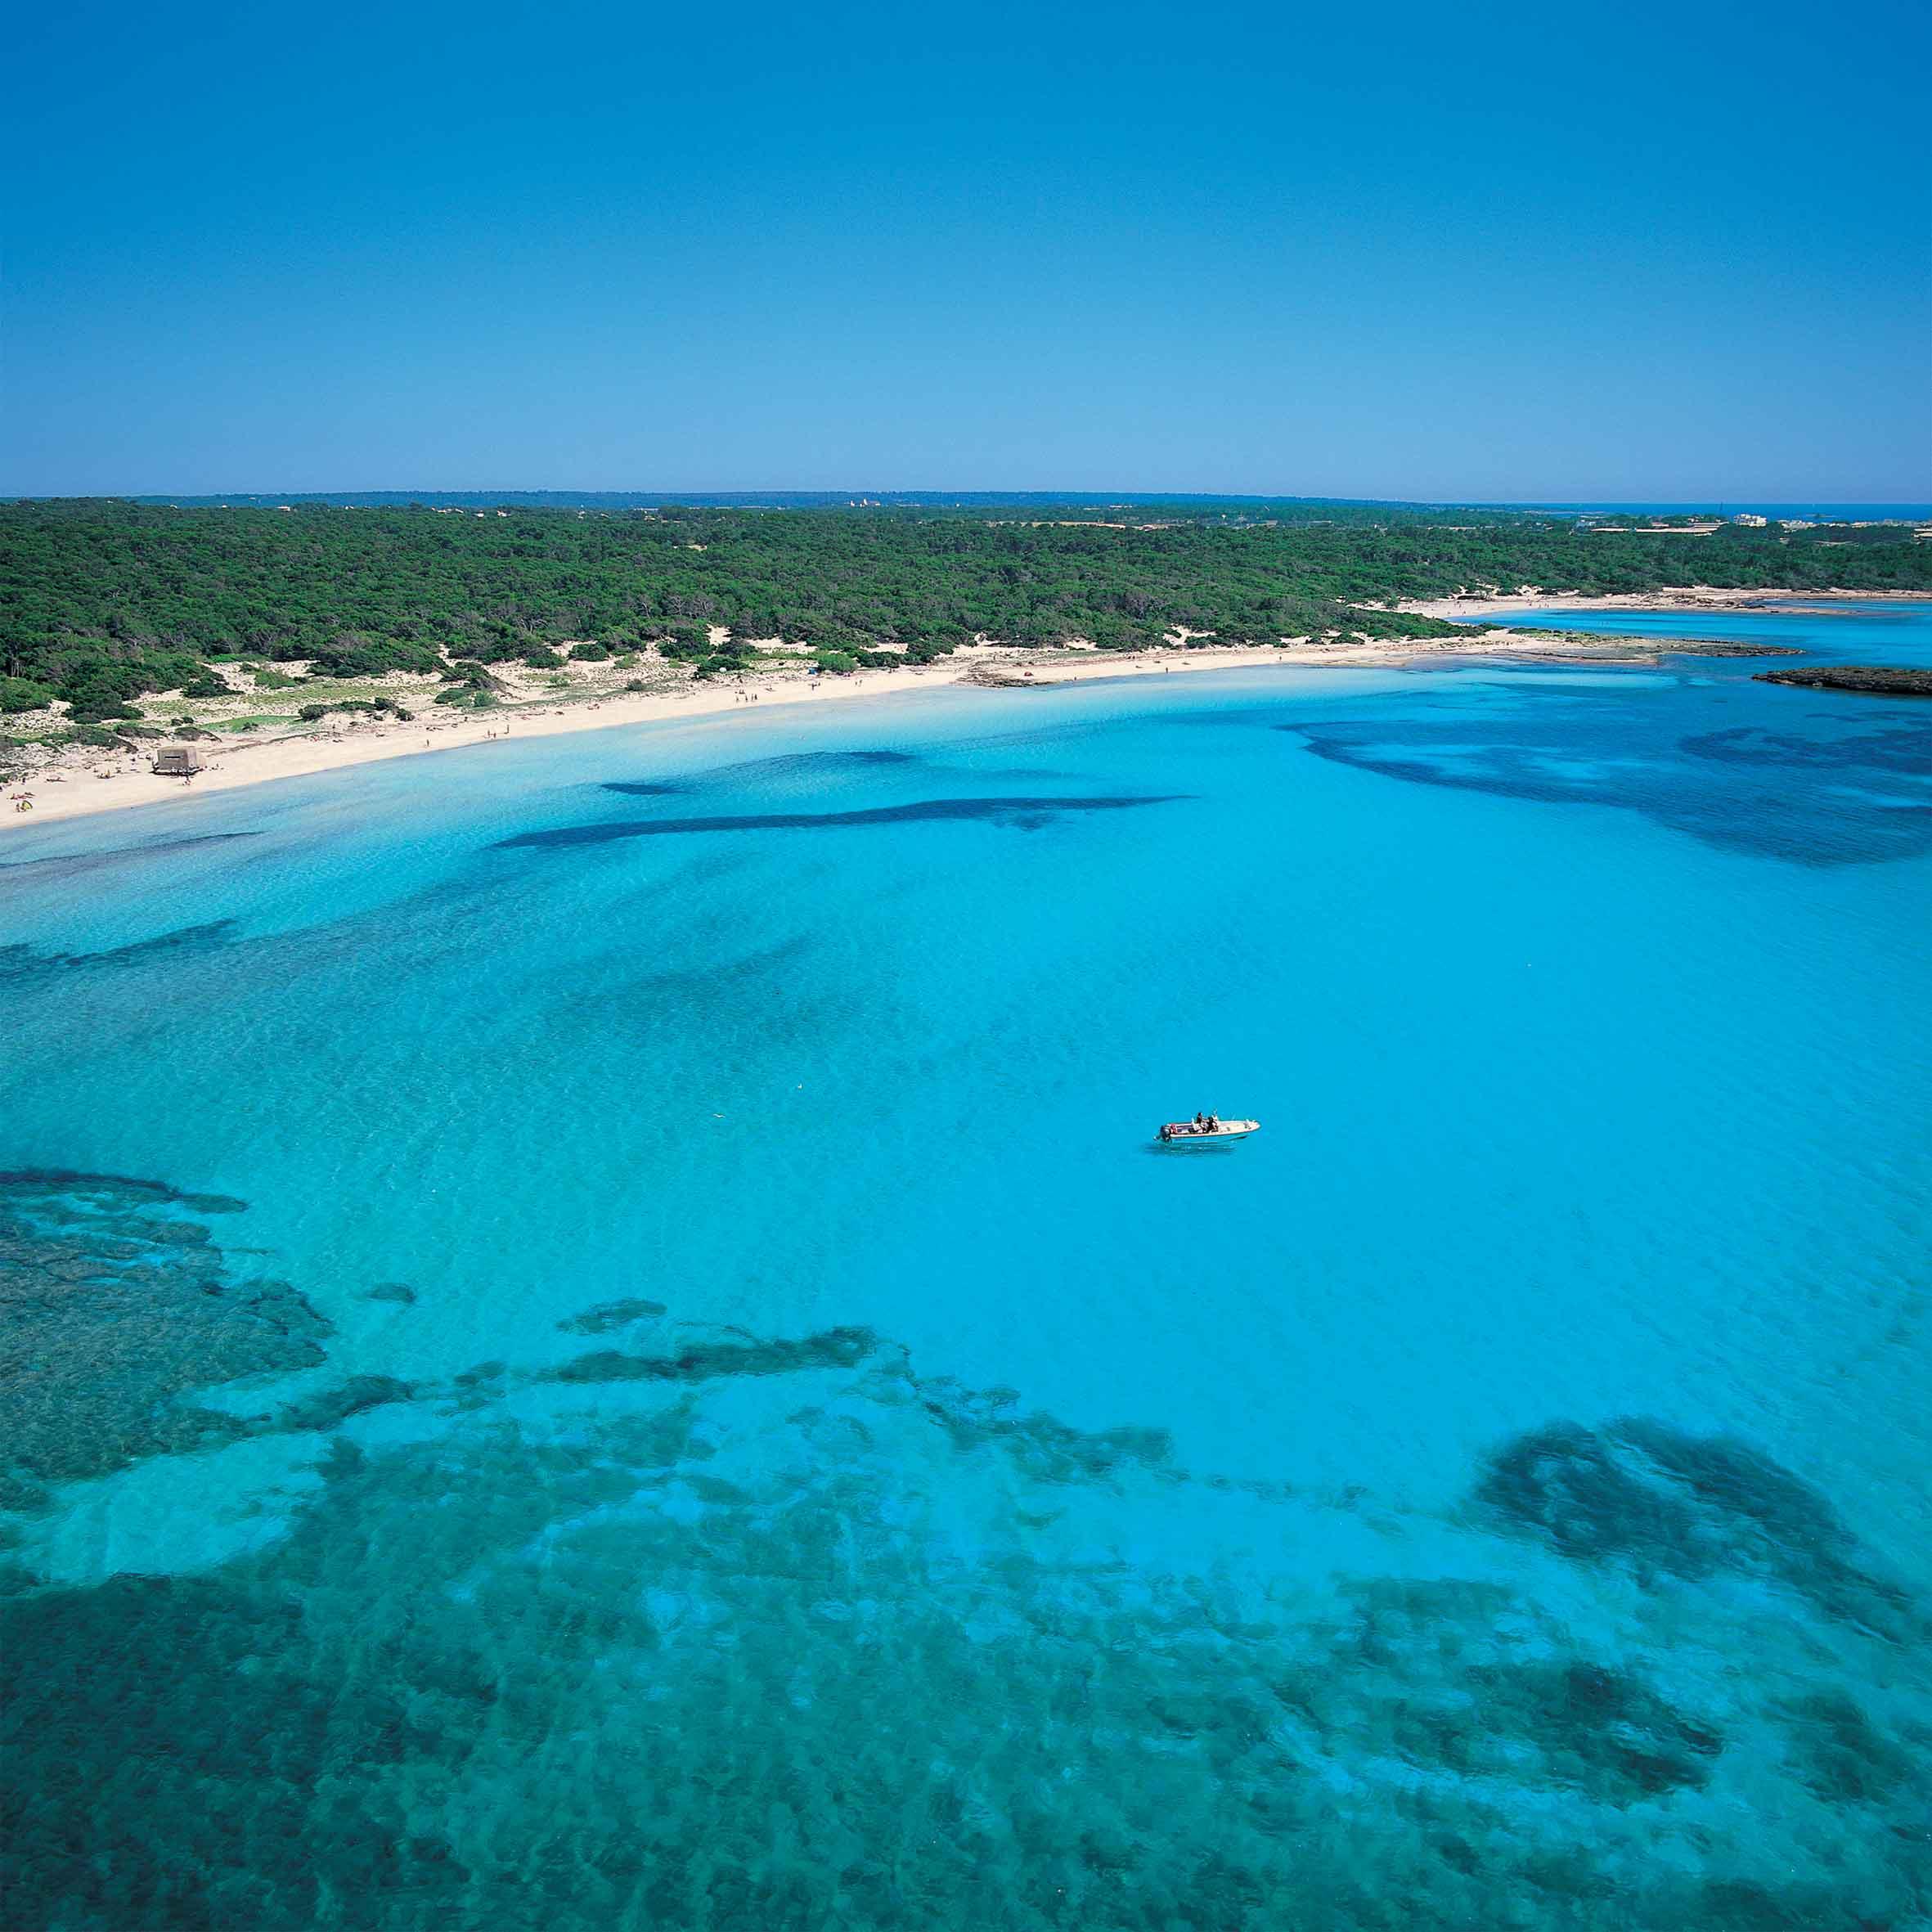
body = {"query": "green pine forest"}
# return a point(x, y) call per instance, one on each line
point(103, 602)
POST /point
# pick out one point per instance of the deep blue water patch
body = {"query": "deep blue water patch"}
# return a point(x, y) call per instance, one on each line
point(785, 769)
point(810, 771)
point(702, 990)
point(1024, 814)
point(23, 962)
point(1905, 749)
point(1847, 791)
point(80, 863)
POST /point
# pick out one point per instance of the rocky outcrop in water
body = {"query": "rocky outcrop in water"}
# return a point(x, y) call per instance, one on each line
point(1709, 647)
point(1879, 681)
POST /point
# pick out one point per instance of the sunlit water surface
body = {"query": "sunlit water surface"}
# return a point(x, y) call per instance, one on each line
point(595, 1334)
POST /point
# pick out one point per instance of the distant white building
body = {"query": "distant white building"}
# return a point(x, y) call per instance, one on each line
point(1750, 519)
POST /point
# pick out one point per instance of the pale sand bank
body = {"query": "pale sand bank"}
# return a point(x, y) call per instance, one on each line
point(1690, 597)
point(79, 789)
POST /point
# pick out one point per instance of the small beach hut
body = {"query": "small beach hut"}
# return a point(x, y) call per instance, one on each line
point(177, 760)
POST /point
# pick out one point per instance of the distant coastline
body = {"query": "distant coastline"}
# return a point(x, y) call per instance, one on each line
point(1196, 502)
point(1690, 597)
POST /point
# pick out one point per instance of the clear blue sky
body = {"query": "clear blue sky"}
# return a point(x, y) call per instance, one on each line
point(1497, 252)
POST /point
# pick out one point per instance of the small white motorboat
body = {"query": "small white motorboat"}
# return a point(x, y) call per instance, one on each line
point(1204, 1128)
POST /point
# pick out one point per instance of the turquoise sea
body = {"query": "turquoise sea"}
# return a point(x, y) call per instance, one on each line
point(593, 1334)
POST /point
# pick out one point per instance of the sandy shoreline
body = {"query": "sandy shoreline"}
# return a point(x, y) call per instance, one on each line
point(1695, 597)
point(80, 790)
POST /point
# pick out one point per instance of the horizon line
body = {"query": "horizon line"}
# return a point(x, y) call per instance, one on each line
point(877, 493)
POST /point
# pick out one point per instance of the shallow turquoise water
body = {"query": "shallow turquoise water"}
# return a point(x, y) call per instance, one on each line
point(742, 1427)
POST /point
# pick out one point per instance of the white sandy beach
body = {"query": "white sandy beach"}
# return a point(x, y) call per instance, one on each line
point(88, 782)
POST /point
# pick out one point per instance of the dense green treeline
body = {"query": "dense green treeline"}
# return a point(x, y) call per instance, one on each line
point(102, 601)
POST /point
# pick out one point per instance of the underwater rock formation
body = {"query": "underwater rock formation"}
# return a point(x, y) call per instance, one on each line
point(745, 1657)
point(329, 1408)
point(704, 1361)
point(607, 1315)
point(1640, 1492)
point(115, 1300)
point(749, 1631)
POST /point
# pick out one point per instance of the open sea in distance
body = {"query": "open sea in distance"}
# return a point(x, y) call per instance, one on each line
point(595, 1334)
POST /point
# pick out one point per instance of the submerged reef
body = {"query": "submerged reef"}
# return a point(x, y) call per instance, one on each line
point(607, 1315)
point(738, 1631)
point(115, 1302)
point(1849, 791)
point(1690, 1506)
point(744, 1631)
